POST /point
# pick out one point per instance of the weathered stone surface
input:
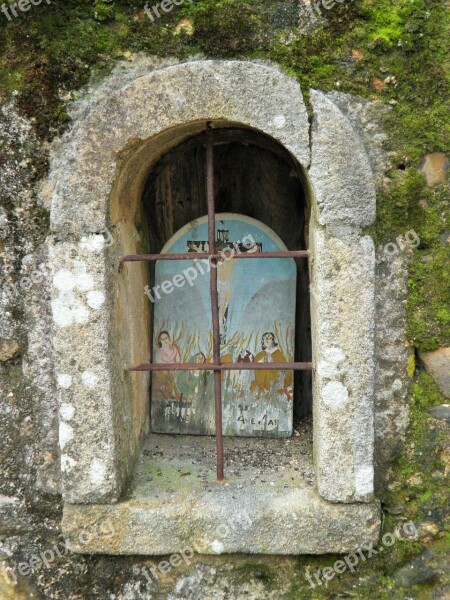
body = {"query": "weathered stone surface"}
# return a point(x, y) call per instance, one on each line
point(107, 153)
point(434, 166)
point(440, 412)
point(444, 237)
point(28, 455)
point(9, 591)
point(427, 529)
point(38, 367)
point(341, 175)
point(19, 231)
point(12, 520)
point(267, 504)
point(209, 584)
point(366, 119)
point(342, 291)
point(260, 519)
point(344, 359)
point(437, 364)
point(419, 570)
point(346, 202)
point(392, 382)
point(8, 349)
point(101, 415)
point(81, 323)
point(310, 19)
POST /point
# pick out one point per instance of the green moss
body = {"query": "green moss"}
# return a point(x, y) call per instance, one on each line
point(386, 22)
point(399, 209)
point(428, 325)
point(51, 53)
point(256, 571)
point(422, 455)
point(414, 485)
point(62, 44)
point(425, 392)
point(224, 29)
point(10, 80)
point(314, 61)
point(411, 210)
point(104, 11)
point(411, 368)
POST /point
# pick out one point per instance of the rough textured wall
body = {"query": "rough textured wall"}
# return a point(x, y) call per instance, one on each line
point(390, 53)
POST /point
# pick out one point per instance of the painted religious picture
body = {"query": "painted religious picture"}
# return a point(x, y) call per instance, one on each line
point(256, 321)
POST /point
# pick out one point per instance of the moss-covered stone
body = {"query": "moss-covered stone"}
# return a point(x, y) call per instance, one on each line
point(429, 299)
point(224, 29)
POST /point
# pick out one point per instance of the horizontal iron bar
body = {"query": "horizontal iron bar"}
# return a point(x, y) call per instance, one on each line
point(243, 366)
point(200, 255)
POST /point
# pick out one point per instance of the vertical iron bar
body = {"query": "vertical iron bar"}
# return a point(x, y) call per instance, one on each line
point(214, 296)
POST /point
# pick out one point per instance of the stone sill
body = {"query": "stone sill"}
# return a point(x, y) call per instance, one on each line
point(267, 505)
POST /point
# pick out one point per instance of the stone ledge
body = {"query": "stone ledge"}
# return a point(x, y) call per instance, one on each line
point(268, 503)
point(255, 520)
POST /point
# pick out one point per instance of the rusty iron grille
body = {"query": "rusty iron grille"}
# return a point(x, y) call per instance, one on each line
point(216, 366)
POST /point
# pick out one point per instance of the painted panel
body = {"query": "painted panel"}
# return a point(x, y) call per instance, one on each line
point(257, 323)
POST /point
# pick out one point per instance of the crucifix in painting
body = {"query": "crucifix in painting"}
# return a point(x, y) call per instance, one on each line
point(256, 323)
point(225, 269)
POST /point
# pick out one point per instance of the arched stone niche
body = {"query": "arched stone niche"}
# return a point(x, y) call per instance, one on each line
point(101, 325)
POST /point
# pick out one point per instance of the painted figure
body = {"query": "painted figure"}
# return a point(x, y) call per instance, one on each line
point(168, 351)
point(271, 353)
point(164, 382)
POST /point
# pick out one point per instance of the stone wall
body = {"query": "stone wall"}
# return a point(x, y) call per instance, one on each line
point(30, 467)
point(41, 377)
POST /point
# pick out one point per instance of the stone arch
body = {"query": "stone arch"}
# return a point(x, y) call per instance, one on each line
point(139, 122)
point(96, 181)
